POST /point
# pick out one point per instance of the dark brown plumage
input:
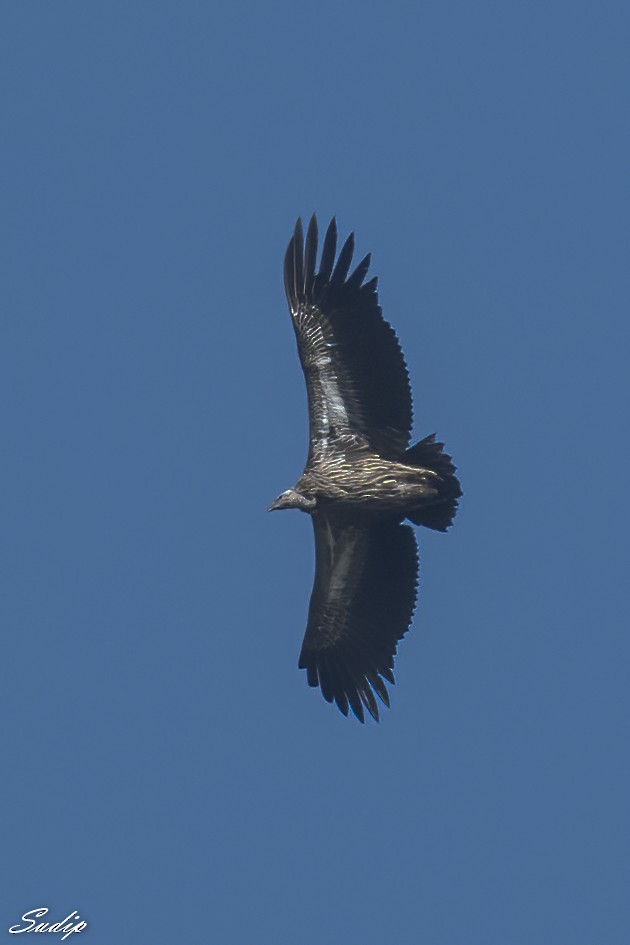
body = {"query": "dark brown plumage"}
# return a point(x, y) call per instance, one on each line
point(361, 479)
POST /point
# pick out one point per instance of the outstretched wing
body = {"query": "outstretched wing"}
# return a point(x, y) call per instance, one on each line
point(361, 606)
point(356, 377)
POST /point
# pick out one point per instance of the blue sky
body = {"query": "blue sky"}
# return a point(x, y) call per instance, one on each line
point(166, 770)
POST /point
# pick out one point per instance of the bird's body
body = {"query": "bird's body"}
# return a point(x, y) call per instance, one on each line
point(361, 479)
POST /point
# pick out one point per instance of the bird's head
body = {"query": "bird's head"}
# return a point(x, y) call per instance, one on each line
point(292, 500)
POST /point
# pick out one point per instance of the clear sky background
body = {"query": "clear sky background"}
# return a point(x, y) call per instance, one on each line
point(166, 770)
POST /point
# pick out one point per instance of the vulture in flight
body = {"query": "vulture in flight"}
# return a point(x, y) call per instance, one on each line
point(362, 479)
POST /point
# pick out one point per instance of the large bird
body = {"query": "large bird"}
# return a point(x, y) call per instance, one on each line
point(361, 479)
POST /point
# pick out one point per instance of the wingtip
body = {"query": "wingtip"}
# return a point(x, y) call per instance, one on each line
point(310, 257)
point(373, 710)
point(388, 674)
point(333, 268)
point(343, 262)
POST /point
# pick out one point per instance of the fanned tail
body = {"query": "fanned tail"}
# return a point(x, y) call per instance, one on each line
point(429, 454)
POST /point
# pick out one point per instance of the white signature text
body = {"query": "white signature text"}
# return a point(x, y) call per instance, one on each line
point(68, 925)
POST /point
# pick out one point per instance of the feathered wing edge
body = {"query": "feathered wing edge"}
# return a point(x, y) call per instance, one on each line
point(302, 284)
point(343, 336)
point(354, 628)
